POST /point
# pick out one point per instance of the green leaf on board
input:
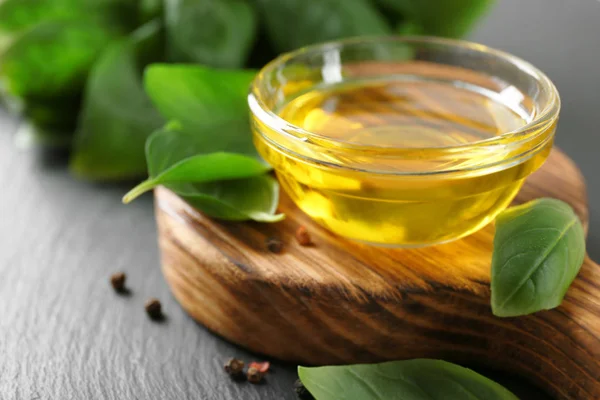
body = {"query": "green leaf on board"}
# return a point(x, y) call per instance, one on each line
point(207, 102)
point(216, 33)
point(539, 248)
point(207, 156)
point(253, 198)
point(315, 21)
point(419, 379)
point(117, 115)
point(174, 156)
point(437, 18)
point(223, 185)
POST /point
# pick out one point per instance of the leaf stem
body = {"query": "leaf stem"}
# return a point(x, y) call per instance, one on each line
point(137, 191)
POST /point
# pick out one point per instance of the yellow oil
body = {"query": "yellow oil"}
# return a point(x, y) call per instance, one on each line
point(399, 207)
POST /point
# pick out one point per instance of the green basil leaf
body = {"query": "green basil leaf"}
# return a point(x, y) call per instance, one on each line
point(53, 58)
point(539, 248)
point(217, 33)
point(19, 15)
point(176, 156)
point(117, 115)
point(409, 28)
point(149, 9)
point(438, 17)
point(234, 200)
point(50, 116)
point(210, 109)
point(209, 103)
point(316, 21)
point(419, 379)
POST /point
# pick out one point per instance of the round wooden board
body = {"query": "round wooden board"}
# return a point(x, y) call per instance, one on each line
point(343, 302)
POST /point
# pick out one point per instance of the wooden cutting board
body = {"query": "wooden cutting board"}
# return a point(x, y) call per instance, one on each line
point(343, 302)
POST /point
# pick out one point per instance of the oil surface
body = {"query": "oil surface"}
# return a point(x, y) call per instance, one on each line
point(396, 209)
point(401, 114)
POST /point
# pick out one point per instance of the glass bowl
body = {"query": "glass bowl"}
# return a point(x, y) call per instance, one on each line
point(416, 166)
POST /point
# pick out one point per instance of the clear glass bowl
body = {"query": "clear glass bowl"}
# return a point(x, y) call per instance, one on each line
point(405, 191)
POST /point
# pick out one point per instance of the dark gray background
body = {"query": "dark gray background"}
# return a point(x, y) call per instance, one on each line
point(65, 335)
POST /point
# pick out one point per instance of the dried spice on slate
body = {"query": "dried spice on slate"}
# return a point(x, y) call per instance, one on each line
point(254, 375)
point(260, 366)
point(234, 368)
point(154, 309)
point(117, 281)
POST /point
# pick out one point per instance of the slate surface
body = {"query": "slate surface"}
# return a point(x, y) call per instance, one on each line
point(65, 335)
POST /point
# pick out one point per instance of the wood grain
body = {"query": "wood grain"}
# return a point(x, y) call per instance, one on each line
point(342, 302)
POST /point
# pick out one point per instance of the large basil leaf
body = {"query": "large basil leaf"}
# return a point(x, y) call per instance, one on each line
point(434, 17)
point(117, 115)
point(208, 103)
point(217, 33)
point(235, 200)
point(54, 57)
point(316, 21)
point(419, 379)
point(539, 248)
point(174, 156)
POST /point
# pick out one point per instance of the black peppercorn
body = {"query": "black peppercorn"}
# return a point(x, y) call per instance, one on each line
point(154, 309)
point(234, 368)
point(254, 375)
point(301, 391)
point(118, 282)
point(274, 245)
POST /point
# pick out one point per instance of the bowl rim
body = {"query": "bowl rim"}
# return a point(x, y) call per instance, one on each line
point(525, 133)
